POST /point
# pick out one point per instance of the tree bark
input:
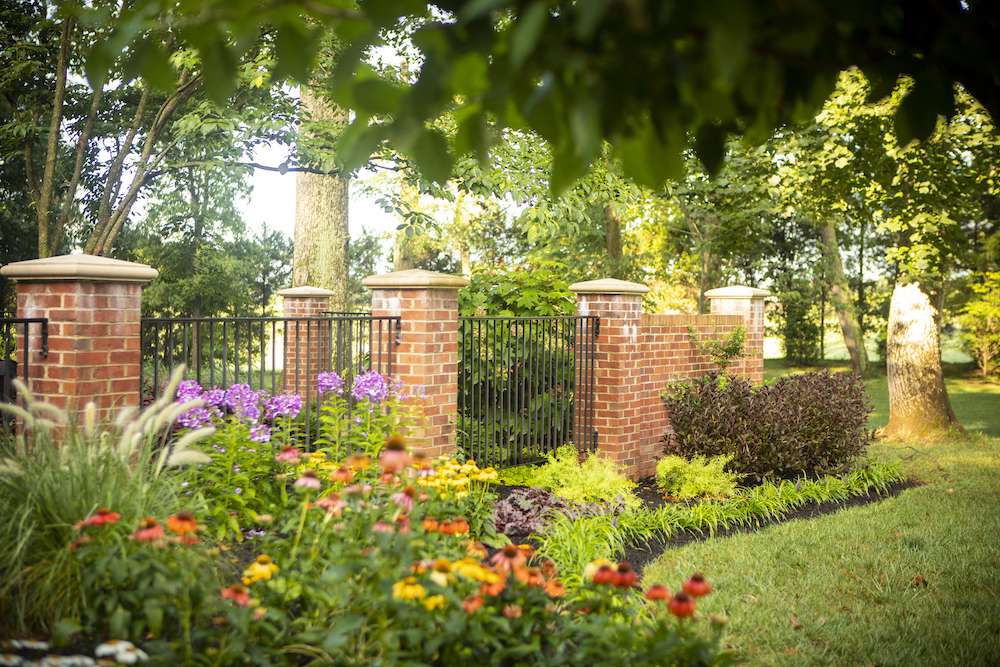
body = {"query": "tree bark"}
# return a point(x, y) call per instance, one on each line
point(320, 257)
point(918, 400)
point(613, 240)
point(47, 189)
point(840, 295)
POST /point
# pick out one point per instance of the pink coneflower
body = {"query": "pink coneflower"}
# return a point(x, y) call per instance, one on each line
point(381, 527)
point(333, 504)
point(289, 454)
point(404, 498)
point(394, 456)
point(308, 481)
point(237, 593)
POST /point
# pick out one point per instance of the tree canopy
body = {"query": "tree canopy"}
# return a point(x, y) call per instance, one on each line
point(641, 75)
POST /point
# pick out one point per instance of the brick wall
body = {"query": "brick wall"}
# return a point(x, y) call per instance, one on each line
point(306, 343)
point(639, 354)
point(93, 342)
point(426, 358)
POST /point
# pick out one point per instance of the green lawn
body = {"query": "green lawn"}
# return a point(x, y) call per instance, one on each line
point(914, 579)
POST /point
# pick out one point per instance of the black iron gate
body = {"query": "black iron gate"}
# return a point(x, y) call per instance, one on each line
point(13, 329)
point(525, 387)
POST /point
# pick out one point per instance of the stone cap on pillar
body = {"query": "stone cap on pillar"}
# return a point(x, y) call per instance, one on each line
point(415, 279)
point(608, 286)
point(737, 292)
point(305, 292)
point(79, 267)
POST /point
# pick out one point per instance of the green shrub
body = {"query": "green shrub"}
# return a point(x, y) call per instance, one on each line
point(61, 472)
point(595, 479)
point(696, 478)
point(810, 424)
point(980, 321)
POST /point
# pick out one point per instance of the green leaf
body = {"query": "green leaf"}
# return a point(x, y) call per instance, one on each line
point(710, 147)
point(64, 631)
point(527, 29)
point(154, 616)
point(386, 12)
point(430, 152)
point(589, 15)
point(477, 8)
point(357, 143)
point(341, 631)
point(119, 622)
point(296, 47)
point(377, 96)
point(469, 75)
point(649, 160)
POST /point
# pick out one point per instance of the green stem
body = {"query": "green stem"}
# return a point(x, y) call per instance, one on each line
point(298, 533)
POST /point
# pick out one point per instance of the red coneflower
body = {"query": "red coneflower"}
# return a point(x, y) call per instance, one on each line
point(625, 577)
point(149, 530)
point(681, 605)
point(658, 593)
point(495, 588)
point(237, 593)
point(430, 525)
point(99, 518)
point(182, 523)
point(696, 586)
point(79, 542)
point(472, 603)
point(605, 575)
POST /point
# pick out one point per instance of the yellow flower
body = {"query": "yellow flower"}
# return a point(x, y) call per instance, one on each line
point(434, 602)
point(593, 566)
point(262, 569)
point(470, 568)
point(408, 589)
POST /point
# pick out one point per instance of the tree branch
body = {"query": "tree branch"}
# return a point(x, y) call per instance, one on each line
point(81, 152)
point(115, 170)
point(281, 168)
point(52, 150)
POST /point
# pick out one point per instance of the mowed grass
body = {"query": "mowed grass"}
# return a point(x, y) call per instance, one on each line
point(914, 579)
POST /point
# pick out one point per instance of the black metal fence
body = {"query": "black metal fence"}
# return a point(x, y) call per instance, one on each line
point(524, 387)
point(275, 354)
point(13, 329)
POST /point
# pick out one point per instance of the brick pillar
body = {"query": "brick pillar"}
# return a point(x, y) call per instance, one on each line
point(93, 310)
point(748, 303)
point(427, 355)
point(617, 402)
point(307, 341)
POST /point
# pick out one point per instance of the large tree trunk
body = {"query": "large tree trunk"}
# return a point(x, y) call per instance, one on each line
point(918, 400)
point(321, 214)
point(840, 295)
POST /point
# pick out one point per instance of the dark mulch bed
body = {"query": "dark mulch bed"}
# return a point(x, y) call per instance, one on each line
point(641, 555)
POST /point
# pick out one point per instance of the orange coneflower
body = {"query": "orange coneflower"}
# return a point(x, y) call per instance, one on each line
point(342, 475)
point(430, 525)
point(495, 588)
point(529, 576)
point(512, 611)
point(472, 603)
point(182, 523)
point(508, 558)
point(658, 593)
point(555, 588)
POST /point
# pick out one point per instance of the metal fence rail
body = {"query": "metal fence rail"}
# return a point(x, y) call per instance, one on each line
point(15, 332)
point(275, 354)
point(524, 384)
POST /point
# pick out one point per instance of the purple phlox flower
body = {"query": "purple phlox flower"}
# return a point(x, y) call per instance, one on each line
point(238, 490)
point(283, 405)
point(371, 386)
point(260, 433)
point(254, 532)
point(188, 390)
point(195, 418)
point(243, 401)
point(329, 381)
point(214, 397)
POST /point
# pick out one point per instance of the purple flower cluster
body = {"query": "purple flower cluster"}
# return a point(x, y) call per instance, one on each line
point(260, 433)
point(371, 386)
point(189, 390)
point(283, 405)
point(243, 401)
point(329, 381)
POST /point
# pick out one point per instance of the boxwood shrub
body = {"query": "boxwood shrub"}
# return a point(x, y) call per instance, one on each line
point(810, 424)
